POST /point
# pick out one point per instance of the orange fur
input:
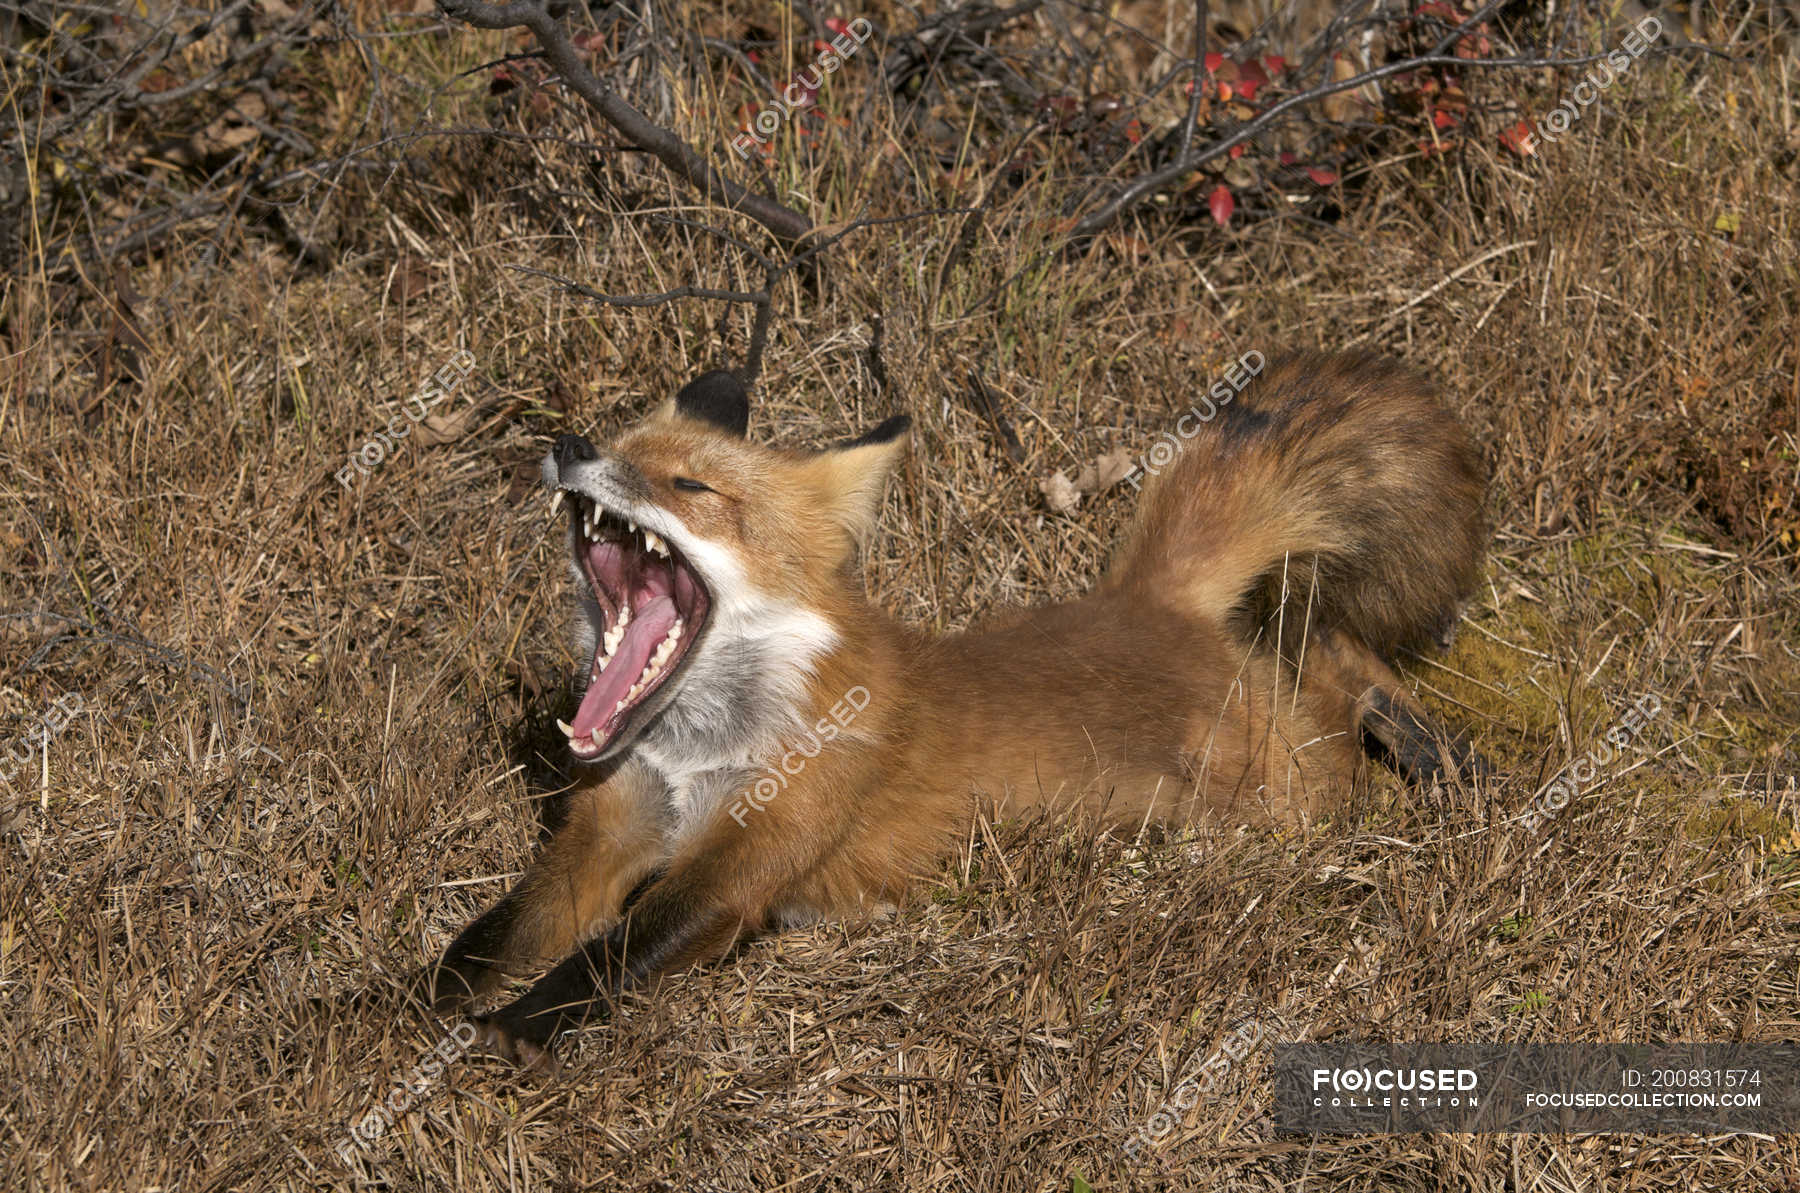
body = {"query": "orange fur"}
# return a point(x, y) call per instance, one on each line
point(1227, 664)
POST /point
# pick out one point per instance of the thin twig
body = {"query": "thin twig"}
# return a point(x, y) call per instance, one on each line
point(643, 300)
point(674, 153)
point(762, 300)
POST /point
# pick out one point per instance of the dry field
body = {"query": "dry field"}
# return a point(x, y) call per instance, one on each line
point(315, 720)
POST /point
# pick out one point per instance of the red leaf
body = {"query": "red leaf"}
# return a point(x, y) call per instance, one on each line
point(837, 25)
point(1518, 139)
point(1237, 151)
point(1221, 204)
point(1442, 119)
point(1473, 47)
point(1213, 62)
point(1321, 175)
point(1287, 157)
point(807, 94)
point(1275, 63)
point(1057, 110)
point(1251, 77)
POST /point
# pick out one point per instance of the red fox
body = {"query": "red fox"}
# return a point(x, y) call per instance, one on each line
point(765, 746)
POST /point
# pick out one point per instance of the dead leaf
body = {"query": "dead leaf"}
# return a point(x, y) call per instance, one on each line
point(412, 278)
point(220, 137)
point(1342, 105)
point(531, 678)
point(1059, 492)
point(447, 428)
point(1103, 473)
point(238, 126)
point(557, 396)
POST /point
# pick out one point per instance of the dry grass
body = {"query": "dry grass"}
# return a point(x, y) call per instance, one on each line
point(317, 727)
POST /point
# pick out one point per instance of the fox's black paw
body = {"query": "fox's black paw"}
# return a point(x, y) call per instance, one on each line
point(513, 1038)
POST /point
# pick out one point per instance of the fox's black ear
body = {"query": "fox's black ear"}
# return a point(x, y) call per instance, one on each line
point(889, 430)
point(852, 475)
point(717, 398)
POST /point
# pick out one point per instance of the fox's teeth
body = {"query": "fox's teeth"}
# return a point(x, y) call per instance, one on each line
point(567, 729)
point(654, 543)
point(613, 636)
point(556, 500)
point(596, 738)
point(675, 630)
point(624, 617)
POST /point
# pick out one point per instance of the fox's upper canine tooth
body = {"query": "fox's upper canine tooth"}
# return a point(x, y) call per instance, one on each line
point(556, 500)
point(567, 729)
point(655, 543)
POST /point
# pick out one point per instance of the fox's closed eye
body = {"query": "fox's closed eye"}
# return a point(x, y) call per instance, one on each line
point(688, 484)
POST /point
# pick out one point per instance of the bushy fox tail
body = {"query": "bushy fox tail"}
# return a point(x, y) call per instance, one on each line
point(1338, 481)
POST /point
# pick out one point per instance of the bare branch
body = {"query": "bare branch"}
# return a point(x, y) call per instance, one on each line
point(1193, 110)
point(763, 300)
point(670, 149)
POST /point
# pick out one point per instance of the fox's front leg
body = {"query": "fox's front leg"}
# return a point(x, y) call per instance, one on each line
point(611, 840)
point(721, 886)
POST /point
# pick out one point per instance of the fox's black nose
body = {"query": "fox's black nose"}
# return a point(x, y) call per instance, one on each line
point(571, 449)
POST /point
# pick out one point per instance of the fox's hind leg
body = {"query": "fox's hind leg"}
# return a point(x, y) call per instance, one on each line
point(611, 841)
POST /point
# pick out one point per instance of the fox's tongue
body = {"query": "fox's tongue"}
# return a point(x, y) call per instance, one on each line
point(645, 632)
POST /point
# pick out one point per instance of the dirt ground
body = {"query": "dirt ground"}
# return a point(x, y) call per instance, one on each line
point(308, 726)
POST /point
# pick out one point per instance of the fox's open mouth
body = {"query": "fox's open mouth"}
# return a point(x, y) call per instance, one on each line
point(654, 607)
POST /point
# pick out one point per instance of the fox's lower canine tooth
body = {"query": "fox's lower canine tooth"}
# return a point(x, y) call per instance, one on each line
point(556, 500)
